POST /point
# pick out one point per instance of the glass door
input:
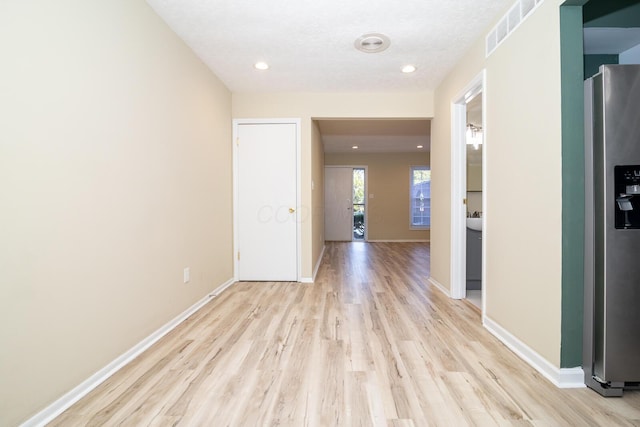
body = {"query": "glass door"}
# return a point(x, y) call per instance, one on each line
point(358, 198)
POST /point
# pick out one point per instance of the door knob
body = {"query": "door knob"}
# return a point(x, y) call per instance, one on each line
point(291, 210)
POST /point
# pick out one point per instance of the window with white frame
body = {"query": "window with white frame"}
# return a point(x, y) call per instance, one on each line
point(420, 196)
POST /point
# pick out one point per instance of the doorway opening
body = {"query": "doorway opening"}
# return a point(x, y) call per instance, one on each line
point(474, 140)
point(359, 224)
point(462, 214)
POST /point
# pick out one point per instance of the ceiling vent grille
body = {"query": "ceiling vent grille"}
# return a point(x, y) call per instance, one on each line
point(520, 11)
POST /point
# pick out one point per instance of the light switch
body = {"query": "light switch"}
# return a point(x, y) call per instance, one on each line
point(371, 195)
point(186, 275)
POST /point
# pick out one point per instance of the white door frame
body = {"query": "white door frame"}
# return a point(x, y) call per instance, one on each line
point(366, 197)
point(459, 187)
point(298, 213)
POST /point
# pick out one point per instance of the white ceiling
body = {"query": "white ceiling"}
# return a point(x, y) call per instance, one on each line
point(375, 136)
point(310, 44)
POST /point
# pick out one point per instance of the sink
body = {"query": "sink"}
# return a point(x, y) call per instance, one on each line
point(474, 223)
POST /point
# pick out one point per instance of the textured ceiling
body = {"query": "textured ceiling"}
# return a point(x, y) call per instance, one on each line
point(310, 44)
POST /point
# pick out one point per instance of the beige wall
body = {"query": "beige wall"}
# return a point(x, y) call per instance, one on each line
point(388, 180)
point(474, 188)
point(115, 174)
point(317, 190)
point(523, 157)
point(308, 106)
point(474, 177)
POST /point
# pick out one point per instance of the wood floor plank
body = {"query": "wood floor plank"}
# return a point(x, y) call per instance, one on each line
point(370, 343)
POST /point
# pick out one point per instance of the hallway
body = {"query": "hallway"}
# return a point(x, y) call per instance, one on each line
point(370, 343)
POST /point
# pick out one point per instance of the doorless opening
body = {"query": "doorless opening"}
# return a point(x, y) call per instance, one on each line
point(459, 191)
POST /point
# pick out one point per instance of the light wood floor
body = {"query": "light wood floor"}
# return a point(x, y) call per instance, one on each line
point(371, 343)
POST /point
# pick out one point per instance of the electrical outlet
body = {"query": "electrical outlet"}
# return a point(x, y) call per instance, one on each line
point(186, 275)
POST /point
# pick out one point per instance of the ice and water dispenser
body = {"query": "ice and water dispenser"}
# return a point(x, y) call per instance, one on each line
point(627, 185)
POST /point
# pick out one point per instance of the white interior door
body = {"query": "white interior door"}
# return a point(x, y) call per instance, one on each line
point(338, 216)
point(267, 201)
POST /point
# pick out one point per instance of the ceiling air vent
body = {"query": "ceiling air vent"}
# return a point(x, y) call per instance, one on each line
point(372, 43)
point(521, 10)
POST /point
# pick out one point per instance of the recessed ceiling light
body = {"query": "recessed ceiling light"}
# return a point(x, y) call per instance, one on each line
point(408, 69)
point(355, 147)
point(372, 43)
point(261, 66)
point(419, 146)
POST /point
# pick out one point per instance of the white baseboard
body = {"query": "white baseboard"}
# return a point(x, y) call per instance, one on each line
point(438, 285)
point(315, 269)
point(560, 377)
point(63, 403)
point(217, 291)
point(399, 241)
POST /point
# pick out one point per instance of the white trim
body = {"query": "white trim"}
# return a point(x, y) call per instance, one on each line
point(439, 286)
point(399, 241)
point(458, 208)
point(63, 403)
point(485, 155)
point(297, 122)
point(220, 288)
point(560, 377)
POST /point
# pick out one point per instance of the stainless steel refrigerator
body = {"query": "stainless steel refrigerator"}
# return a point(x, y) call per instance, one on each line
point(611, 357)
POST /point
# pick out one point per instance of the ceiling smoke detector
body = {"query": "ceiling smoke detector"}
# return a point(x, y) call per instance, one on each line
point(372, 43)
